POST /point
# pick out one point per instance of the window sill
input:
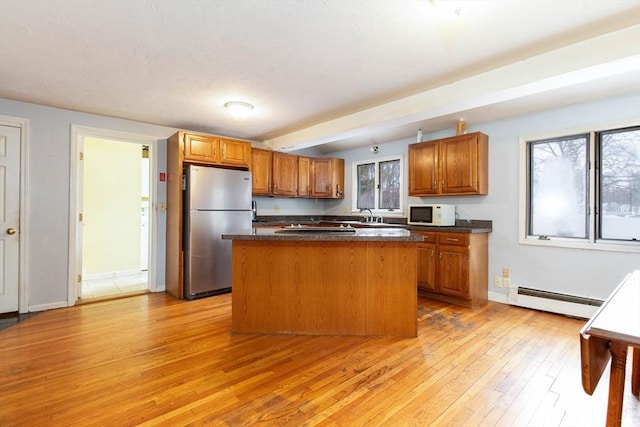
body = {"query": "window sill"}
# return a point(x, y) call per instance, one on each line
point(557, 242)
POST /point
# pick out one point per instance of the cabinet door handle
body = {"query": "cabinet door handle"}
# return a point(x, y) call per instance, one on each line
point(452, 240)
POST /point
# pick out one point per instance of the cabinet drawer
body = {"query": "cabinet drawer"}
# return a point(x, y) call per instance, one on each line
point(429, 236)
point(458, 239)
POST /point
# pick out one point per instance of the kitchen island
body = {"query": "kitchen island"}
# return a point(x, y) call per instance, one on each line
point(324, 281)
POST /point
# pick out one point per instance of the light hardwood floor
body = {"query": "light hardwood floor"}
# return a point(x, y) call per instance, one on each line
point(154, 360)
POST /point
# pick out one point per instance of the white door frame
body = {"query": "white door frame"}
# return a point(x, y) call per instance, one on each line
point(23, 264)
point(78, 133)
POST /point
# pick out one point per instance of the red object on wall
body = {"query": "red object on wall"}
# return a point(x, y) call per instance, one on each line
point(163, 176)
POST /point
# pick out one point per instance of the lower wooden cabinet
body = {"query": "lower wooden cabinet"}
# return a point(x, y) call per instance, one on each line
point(453, 267)
point(427, 261)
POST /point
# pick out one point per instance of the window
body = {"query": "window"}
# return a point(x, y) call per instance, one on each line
point(568, 199)
point(619, 184)
point(378, 185)
point(558, 187)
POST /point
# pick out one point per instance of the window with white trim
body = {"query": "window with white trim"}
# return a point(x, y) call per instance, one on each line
point(584, 187)
point(378, 185)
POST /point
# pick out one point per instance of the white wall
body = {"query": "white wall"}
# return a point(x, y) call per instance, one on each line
point(49, 174)
point(578, 272)
point(588, 273)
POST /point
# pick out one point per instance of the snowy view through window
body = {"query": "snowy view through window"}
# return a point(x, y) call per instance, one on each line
point(560, 187)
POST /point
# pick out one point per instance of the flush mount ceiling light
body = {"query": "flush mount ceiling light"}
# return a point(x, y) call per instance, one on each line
point(238, 109)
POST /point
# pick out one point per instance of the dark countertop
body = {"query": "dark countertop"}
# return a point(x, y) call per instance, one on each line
point(462, 225)
point(315, 233)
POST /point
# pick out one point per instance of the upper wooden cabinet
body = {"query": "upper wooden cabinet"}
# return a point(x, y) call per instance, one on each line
point(213, 150)
point(423, 169)
point(457, 165)
point(327, 178)
point(285, 175)
point(261, 171)
point(304, 176)
point(235, 153)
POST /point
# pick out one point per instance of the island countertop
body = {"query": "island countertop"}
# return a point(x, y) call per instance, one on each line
point(332, 234)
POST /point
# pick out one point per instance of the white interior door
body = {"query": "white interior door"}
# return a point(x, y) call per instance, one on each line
point(10, 138)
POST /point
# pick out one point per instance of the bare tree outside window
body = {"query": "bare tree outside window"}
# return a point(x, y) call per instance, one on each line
point(378, 184)
point(560, 188)
point(366, 186)
point(619, 173)
point(390, 185)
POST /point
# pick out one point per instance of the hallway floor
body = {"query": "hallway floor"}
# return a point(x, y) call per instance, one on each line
point(115, 286)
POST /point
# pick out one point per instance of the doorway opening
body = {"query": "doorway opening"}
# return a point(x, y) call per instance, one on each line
point(113, 245)
point(115, 209)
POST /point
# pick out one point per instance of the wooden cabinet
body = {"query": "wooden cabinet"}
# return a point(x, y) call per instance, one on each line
point(423, 169)
point(201, 149)
point(327, 178)
point(235, 153)
point(453, 267)
point(304, 176)
point(450, 166)
point(284, 175)
point(427, 261)
point(208, 149)
point(261, 171)
point(191, 148)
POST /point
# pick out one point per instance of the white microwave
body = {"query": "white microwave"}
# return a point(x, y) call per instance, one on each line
point(439, 215)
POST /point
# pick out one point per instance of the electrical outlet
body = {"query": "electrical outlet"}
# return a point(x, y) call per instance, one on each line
point(497, 281)
point(505, 272)
point(506, 282)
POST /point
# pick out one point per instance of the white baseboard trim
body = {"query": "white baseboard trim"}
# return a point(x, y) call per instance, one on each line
point(498, 297)
point(48, 306)
point(543, 304)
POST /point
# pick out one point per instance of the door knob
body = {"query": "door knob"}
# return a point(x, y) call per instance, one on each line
point(11, 231)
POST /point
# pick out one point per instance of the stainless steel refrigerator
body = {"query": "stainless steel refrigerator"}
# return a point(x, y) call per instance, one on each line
point(216, 201)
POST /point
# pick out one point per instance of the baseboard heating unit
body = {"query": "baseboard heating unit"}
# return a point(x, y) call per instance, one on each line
point(554, 302)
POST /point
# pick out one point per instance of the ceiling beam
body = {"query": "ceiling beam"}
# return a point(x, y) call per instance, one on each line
point(608, 55)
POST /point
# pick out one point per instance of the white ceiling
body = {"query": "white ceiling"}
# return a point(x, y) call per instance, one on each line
point(331, 74)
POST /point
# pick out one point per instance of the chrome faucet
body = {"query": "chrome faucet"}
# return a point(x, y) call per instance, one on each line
point(370, 219)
